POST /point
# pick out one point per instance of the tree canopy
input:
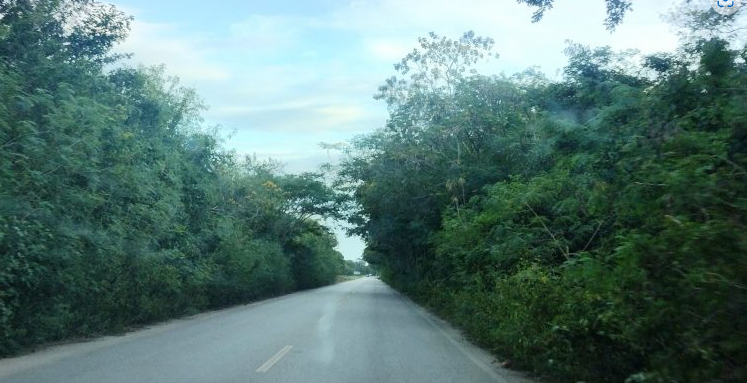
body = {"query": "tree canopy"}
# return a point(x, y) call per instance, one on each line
point(616, 10)
point(116, 206)
point(590, 228)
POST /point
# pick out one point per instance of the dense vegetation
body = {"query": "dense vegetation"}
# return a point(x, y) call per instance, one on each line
point(590, 229)
point(358, 267)
point(116, 207)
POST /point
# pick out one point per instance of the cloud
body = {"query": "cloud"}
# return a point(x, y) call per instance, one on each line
point(340, 115)
point(390, 28)
point(392, 17)
point(313, 75)
point(300, 117)
point(241, 110)
point(270, 31)
point(156, 43)
point(389, 50)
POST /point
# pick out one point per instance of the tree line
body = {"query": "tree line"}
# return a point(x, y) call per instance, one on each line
point(591, 228)
point(117, 206)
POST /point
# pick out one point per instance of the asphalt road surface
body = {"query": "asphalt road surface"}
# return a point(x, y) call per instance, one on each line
point(358, 331)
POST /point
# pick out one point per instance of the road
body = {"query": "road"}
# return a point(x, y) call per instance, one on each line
point(358, 331)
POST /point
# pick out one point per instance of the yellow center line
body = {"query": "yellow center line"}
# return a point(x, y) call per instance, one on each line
point(268, 365)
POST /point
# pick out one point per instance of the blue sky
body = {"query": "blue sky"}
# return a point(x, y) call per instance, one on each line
point(279, 77)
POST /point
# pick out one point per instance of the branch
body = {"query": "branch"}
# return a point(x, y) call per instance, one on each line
point(565, 252)
point(593, 235)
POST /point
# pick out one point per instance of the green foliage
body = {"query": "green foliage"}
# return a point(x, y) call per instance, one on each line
point(591, 229)
point(116, 208)
point(361, 267)
point(616, 10)
point(315, 262)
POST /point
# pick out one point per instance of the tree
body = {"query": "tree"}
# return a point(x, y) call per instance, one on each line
point(588, 228)
point(117, 207)
point(616, 10)
point(68, 30)
point(693, 23)
point(435, 68)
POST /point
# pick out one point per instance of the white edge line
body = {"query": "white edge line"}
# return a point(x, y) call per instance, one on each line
point(271, 362)
point(479, 363)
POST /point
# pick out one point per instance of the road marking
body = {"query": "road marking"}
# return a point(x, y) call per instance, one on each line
point(467, 353)
point(268, 365)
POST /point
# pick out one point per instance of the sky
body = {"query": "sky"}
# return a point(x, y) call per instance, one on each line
point(279, 77)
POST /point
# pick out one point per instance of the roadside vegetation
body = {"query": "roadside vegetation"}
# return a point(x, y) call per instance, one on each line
point(358, 267)
point(591, 228)
point(117, 206)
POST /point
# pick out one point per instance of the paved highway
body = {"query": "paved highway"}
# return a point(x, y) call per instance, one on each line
point(358, 331)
